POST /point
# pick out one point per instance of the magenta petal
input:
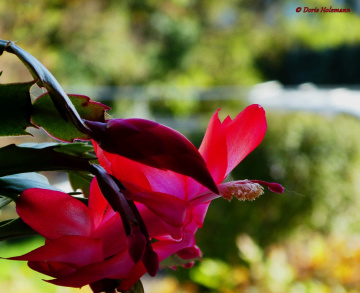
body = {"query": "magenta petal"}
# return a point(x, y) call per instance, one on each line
point(77, 250)
point(175, 233)
point(54, 214)
point(164, 149)
point(169, 208)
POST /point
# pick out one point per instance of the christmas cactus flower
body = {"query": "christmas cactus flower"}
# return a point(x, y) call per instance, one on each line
point(85, 245)
point(147, 200)
point(108, 244)
point(180, 201)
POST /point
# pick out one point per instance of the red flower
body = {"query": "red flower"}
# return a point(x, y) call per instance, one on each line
point(180, 201)
point(89, 245)
point(84, 245)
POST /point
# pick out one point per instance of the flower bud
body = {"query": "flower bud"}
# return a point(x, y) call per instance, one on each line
point(152, 144)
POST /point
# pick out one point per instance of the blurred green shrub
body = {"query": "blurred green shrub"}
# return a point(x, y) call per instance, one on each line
point(311, 263)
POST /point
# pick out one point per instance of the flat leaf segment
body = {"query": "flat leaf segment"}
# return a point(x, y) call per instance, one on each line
point(46, 116)
point(15, 108)
point(39, 157)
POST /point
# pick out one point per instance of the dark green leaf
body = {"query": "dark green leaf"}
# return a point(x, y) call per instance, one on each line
point(14, 228)
point(11, 186)
point(38, 157)
point(47, 80)
point(137, 288)
point(4, 201)
point(15, 108)
point(81, 180)
point(79, 149)
point(46, 116)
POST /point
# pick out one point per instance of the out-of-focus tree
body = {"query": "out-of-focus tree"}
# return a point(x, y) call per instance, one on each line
point(181, 42)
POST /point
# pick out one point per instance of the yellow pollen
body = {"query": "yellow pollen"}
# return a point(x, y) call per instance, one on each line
point(243, 191)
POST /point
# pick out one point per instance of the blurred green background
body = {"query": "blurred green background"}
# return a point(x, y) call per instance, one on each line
point(177, 62)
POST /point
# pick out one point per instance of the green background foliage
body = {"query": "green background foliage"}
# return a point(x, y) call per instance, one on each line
point(182, 42)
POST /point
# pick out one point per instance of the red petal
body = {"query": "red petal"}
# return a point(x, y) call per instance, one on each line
point(146, 177)
point(97, 203)
point(204, 197)
point(213, 148)
point(123, 168)
point(102, 157)
point(196, 216)
point(190, 252)
point(119, 265)
point(54, 214)
point(244, 133)
point(77, 250)
point(169, 208)
point(111, 232)
point(156, 227)
point(164, 149)
point(139, 177)
point(52, 269)
point(164, 249)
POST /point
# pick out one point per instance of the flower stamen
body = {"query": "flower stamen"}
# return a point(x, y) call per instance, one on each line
point(242, 190)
